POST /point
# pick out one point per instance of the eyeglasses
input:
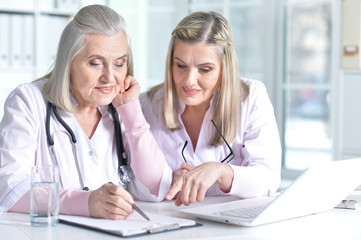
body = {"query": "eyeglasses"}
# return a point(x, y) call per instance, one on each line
point(227, 159)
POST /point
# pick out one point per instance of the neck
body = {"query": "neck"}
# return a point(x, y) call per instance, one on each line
point(88, 119)
point(192, 119)
point(87, 110)
point(200, 109)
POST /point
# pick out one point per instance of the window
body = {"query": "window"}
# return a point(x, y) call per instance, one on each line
point(248, 19)
point(249, 27)
point(307, 83)
point(289, 45)
point(149, 24)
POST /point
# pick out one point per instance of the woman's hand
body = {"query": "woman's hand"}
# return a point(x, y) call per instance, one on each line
point(129, 91)
point(110, 201)
point(177, 181)
point(197, 181)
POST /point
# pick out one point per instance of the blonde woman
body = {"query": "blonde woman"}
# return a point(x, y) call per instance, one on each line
point(217, 130)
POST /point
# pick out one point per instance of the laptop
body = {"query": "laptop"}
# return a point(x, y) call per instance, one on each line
point(319, 188)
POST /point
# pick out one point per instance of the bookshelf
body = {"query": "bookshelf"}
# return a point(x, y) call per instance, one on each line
point(30, 31)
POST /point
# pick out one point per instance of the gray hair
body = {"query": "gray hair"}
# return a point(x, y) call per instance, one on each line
point(93, 19)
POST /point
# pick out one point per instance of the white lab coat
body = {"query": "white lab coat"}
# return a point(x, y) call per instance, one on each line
point(23, 143)
point(257, 148)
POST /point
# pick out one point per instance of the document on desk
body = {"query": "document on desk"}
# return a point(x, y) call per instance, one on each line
point(134, 225)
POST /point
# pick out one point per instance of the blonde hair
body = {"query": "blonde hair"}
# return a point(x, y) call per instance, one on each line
point(93, 19)
point(212, 29)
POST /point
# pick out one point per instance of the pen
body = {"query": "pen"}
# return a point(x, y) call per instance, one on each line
point(140, 211)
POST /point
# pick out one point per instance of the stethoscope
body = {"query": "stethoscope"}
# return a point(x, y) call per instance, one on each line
point(125, 173)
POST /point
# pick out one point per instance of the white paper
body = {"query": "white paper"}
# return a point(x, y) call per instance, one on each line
point(134, 224)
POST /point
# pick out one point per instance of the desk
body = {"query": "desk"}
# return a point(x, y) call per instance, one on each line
point(333, 224)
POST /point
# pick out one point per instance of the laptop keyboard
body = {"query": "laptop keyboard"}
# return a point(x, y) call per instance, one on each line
point(243, 212)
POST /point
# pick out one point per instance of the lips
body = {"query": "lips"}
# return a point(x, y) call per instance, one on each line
point(105, 90)
point(190, 91)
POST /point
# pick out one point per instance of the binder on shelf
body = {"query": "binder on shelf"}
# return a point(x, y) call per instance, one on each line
point(4, 40)
point(58, 23)
point(16, 38)
point(17, 4)
point(28, 40)
point(44, 41)
point(50, 29)
point(46, 5)
point(89, 2)
point(67, 4)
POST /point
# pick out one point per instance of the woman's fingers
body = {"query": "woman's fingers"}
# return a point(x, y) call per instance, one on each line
point(129, 91)
point(186, 166)
point(177, 183)
point(197, 181)
point(110, 201)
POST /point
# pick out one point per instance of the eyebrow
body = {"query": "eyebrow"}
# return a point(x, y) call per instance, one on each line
point(199, 65)
point(100, 56)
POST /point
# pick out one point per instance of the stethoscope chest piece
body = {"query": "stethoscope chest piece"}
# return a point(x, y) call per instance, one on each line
point(125, 175)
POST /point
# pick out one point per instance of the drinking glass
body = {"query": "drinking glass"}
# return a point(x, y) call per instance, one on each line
point(44, 196)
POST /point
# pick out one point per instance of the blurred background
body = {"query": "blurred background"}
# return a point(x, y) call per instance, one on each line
point(305, 51)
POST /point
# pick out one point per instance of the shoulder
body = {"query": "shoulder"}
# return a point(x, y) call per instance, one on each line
point(27, 95)
point(258, 101)
point(151, 99)
point(256, 89)
point(34, 89)
point(152, 96)
point(26, 102)
point(254, 85)
point(257, 97)
point(151, 103)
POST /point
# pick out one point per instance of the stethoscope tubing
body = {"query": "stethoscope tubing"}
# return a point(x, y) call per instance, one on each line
point(122, 157)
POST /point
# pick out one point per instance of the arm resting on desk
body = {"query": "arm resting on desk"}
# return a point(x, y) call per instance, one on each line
point(72, 202)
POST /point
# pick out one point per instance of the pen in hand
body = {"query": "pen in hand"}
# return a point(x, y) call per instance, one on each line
point(140, 211)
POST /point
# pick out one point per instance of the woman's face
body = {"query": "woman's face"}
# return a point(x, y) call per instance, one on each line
point(99, 69)
point(196, 72)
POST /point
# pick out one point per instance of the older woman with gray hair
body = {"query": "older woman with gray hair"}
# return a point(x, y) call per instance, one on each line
point(85, 117)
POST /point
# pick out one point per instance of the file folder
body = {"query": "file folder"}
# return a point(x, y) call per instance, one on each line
point(4, 40)
point(28, 40)
point(16, 50)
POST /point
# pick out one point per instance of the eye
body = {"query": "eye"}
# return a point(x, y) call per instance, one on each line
point(205, 70)
point(95, 62)
point(119, 63)
point(181, 66)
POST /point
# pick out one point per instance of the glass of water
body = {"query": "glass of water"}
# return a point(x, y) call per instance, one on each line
point(44, 196)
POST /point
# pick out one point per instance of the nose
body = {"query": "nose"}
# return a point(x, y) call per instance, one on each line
point(108, 75)
point(191, 77)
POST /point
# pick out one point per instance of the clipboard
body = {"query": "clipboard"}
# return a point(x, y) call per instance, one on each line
point(134, 225)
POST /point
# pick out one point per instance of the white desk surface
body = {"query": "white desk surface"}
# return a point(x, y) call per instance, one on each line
point(333, 224)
